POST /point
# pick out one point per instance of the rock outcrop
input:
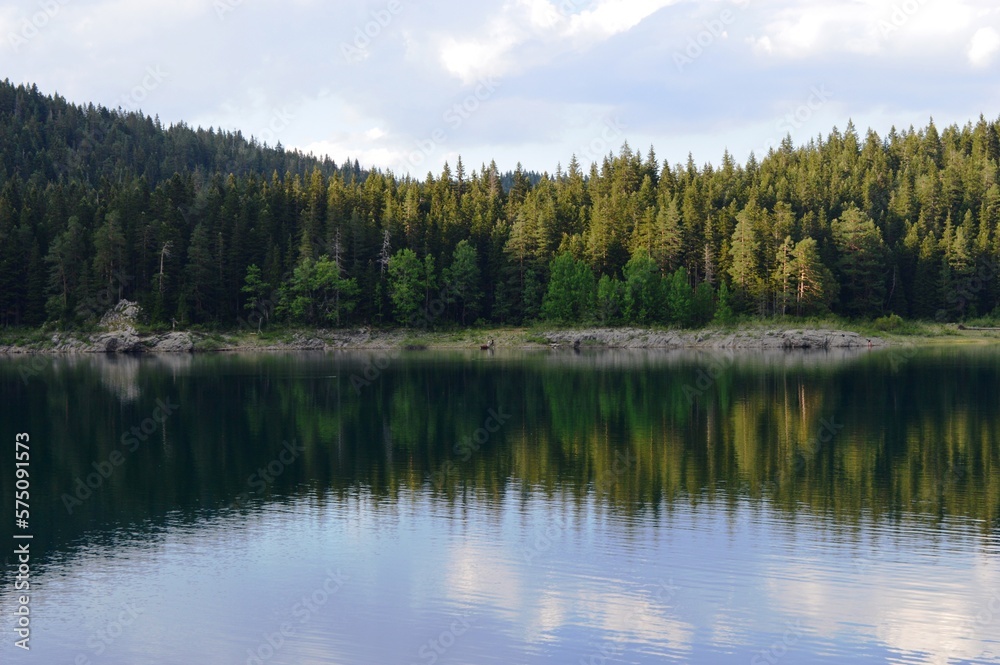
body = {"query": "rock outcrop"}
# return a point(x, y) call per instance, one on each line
point(632, 338)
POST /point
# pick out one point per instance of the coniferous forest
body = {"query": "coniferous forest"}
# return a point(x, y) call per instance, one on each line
point(205, 227)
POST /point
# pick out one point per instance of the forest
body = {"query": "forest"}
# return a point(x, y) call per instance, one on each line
point(206, 228)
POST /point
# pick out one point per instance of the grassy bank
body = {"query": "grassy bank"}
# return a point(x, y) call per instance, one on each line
point(890, 330)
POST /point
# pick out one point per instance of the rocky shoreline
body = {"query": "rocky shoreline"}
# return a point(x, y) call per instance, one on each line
point(128, 341)
point(632, 338)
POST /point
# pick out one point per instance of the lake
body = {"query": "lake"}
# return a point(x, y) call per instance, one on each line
point(516, 507)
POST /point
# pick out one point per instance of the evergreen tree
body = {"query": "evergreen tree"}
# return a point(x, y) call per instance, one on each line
point(570, 296)
point(703, 307)
point(744, 250)
point(861, 263)
point(680, 299)
point(256, 291)
point(174, 218)
point(66, 256)
point(723, 309)
point(610, 299)
point(643, 289)
point(462, 279)
point(406, 285)
point(815, 288)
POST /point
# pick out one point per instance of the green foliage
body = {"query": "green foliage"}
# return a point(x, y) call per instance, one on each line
point(610, 299)
point(745, 251)
point(256, 291)
point(462, 278)
point(570, 296)
point(815, 287)
point(703, 306)
point(860, 264)
point(889, 323)
point(723, 310)
point(318, 294)
point(643, 289)
point(203, 226)
point(680, 299)
point(406, 285)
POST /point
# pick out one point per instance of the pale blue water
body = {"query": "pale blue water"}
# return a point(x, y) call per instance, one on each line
point(536, 549)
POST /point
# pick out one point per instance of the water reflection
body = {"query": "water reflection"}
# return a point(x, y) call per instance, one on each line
point(638, 506)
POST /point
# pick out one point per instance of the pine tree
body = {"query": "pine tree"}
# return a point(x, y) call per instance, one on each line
point(680, 299)
point(784, 277)
point(109, 251)
point(861, 263)
point(643, 290)
point(815, 287)
point(570, 295)
point(744, 251)
point(406, 286)
point(703, 307)
point(723, 309)
point(256, 291)
point(201, 277)
point(610, 299)
point(67, 254)
point(462, 280)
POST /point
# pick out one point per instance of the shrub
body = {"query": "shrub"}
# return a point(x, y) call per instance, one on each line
point(888, 323)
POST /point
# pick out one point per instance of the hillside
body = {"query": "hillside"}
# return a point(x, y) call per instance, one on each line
point(202, 227)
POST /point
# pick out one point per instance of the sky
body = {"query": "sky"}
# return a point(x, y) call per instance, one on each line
point(407, 85)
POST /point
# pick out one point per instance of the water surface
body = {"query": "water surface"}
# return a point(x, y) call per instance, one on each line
point(607, 507)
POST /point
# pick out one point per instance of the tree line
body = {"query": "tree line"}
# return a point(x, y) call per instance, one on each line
point(208, 228)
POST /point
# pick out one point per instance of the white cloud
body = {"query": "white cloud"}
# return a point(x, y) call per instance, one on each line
point(803, 29)
point(611, 17)
point(355, 147)
point(565, 66)
point(912, 619)
point(471, 59)
point(762, 44)
point(984, 45)
point(544, 24)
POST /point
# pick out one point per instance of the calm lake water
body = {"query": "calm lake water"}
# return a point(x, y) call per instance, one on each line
point(611, 507)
